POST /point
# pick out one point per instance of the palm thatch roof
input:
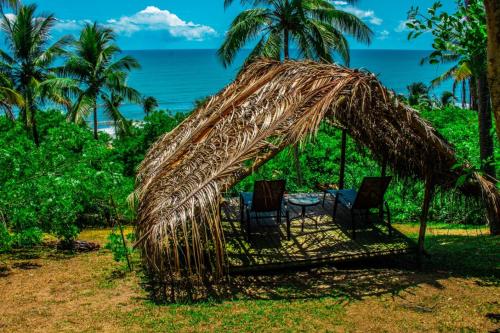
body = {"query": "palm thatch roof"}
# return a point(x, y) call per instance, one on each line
point(270, 106)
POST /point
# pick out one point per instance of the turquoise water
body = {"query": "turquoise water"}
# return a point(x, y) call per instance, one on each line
point(178, 77)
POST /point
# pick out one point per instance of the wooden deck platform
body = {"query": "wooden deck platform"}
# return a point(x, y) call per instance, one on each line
point(328, 242)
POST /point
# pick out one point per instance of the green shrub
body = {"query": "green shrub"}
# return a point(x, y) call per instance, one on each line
point(66, 184)
point(5, 239)
point(28, 237)
point(117, 247)
point(130, 151)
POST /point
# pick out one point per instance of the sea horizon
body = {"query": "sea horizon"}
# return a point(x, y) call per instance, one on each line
point(179, 77)
point(246, 49)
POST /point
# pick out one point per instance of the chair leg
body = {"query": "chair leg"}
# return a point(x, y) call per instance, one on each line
point(335, 204)
point(248, 224)
point(241, 210)
point(389, 225)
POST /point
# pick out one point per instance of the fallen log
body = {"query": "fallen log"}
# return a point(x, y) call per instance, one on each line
point(78, 246)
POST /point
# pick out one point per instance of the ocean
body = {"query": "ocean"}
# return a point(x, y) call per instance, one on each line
point(179, 77)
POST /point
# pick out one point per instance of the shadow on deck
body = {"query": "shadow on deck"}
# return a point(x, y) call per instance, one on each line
point(330, 241)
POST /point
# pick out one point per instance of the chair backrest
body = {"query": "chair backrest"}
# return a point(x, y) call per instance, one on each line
point(268, 195)
point(371, 192)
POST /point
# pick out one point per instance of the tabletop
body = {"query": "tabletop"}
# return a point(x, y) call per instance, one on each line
point(303, 199)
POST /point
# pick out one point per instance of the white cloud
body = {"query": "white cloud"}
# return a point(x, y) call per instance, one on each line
point(383, 35)
point(149, 19)
point(69, 25)
point(155, 19)
point(11, 17)
point(340, 3)
point(368, 15)
point(376, 20)
point(401, 27)
point(60, 25)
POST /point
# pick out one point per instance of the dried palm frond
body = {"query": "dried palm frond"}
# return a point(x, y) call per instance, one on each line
point(270, 106)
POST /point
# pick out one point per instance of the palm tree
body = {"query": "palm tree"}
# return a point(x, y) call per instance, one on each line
point(201, 102)
point(94, 66)
point(149, 104)
point(14, 4)
point(29, 59)
point(492, 8)
point(9, 97)
point(418, 93)
point(447, 97)
point(78, 109)
point(111, 105)
point(315, 26)
point(460, 74)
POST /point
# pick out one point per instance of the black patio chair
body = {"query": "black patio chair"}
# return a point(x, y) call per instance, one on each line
point(370, 196)
point(267, 197)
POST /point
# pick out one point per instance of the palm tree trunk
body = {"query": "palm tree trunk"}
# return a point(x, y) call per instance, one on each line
point(22, 115)
point(493, 24)
point(298, 167)
point(95, 120)
point(34, 129)
point(464, 95)
point(8, 112)
point(295, 148)
point(485, 124)
point(470, 94)
point(473, 94)
point(31, 118)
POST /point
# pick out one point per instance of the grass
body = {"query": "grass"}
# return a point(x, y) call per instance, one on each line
point(457, 291)
point(468, 250)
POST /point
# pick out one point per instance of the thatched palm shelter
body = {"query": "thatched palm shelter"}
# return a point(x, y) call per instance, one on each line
point(270, 106)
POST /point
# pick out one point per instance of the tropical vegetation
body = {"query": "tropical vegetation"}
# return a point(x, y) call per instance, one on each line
point(59, 181)
point(28, 62)
point(461, 37)
point(316, 28)
point(492, 8)
point(418, 93)
point(61, 176)
point(70, 180)
point(149, 104)
point(100, 76)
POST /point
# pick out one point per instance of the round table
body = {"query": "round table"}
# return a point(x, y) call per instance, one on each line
point(304, 201)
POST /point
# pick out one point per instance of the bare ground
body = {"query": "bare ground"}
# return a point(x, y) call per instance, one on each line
point(47, 291)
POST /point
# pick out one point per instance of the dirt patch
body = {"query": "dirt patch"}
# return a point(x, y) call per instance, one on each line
point(90, 292)
point(4, 269)
point(27, 265)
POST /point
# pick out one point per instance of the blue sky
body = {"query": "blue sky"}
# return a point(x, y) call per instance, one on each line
point(186, 24)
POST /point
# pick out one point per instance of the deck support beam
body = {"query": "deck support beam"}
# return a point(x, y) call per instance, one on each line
point(383, 172)
point(342, 160)
point(429, 192)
